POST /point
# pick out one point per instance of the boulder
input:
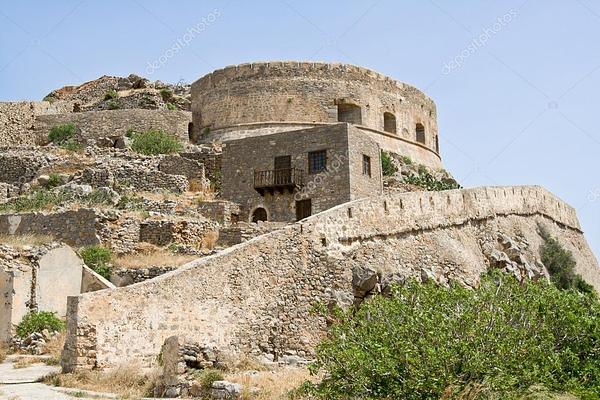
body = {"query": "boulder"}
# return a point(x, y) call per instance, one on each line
point(364, 280)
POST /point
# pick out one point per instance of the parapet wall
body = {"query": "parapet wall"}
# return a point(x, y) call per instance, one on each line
point(257, 297)
point(114, 123)
point(300, 93)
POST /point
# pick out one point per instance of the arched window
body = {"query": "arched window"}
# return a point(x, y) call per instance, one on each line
point(191, 131)
point(350, 113)
point(389, 122)
point(437, 144)
point(420, 130)
point(260, 214)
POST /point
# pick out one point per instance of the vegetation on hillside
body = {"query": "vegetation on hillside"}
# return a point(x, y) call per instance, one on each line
point(560, 264)
point(37, 322)
point(427, 181)
point(44, 199)
point(154, 142)
point(60, 134)
point(431, 342)
point(387, 165)
point(97, 258)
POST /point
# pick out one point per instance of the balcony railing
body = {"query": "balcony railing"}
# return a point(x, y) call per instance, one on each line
point(278, 179)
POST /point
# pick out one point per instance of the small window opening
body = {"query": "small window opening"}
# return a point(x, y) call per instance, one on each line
point(420, 132)
point(389, 122)
point(350, 113)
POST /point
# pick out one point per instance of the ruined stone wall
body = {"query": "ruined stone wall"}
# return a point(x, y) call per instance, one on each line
point(76, 228)
point(17, 119)
point(296, 93)
point(211, 161)
point(114, 123)
point(19, 168)
point(325, 189)
point(257, 297)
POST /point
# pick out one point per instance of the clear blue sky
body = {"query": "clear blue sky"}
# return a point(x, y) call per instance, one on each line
point(518, 106)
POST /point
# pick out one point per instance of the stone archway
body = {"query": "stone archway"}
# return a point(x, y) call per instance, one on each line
point(259, 214)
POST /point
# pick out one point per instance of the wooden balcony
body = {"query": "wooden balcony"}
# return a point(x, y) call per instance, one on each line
point(278, 180)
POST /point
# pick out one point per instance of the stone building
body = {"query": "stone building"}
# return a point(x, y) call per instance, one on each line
point(289, 176)
point(256, 99)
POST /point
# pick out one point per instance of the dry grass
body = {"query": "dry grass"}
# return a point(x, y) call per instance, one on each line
point(197, 185)
point(54, 346)
point(25, 240)
point(129, 381)
point(26, 361)
point(151, 255)
point(209, 240)
point(272, 385)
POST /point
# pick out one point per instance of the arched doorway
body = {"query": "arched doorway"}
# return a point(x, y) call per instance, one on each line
point(191, 131)
point(259, 214)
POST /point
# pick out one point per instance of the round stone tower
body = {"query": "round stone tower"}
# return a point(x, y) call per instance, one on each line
point(265, 98)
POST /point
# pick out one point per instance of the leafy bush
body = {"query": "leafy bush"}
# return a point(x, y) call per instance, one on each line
point(111, 95)
point(428, 182)
point(98, 259)
point(154, 142)
point(71, 145)
point(60, 134)
point(427, 341)
point(209, 376)
point(37, 322)
point(54, 180)
point(166, 94)
point(560, 264)
point(172, 107)
point(43, 199)
point(387, 165)
point(113, 105)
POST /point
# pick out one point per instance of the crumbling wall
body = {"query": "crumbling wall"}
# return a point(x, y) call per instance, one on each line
point(17, 119)
point(114, 123)
point(257, 297)
point(76, 228)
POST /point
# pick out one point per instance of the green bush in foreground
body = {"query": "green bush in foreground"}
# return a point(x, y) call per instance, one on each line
point(154, 142)
point(426, 342)
point(60, 134)
point(97, 258)
point(37, 322)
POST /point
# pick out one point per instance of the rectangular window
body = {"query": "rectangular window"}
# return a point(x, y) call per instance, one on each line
point(367, 165)
point(317, 161)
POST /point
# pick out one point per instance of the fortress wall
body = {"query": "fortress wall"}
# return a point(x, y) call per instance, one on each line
point(307, 93)
point(114, 123)
point(256, 297)
point(17, 119)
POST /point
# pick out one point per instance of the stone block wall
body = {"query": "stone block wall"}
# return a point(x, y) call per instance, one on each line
point(211, 161)
point(76, 228)
point(222, 211)
point(114, 123)
point(257, 297)
point(139, 178)
point(20, 168)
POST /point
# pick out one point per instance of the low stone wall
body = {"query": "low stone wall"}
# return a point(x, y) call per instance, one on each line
point(126, 277)
point(138, 178)
point(20, 167)
point(114, 123)
point(222, 211)
point(257, 297)
point(76, 228)
point(17, 119)
point(211, 161)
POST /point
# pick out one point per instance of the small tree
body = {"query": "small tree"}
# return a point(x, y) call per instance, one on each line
point(98, 259)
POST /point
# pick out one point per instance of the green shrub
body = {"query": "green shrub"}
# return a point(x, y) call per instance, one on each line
point(426, 341)
point(154, 142)
point(172, 107)
point(406, 160)
point(54, 180)
point(111, 95)
point(59, 134)
point(113, 105)
point(560, 264)
point(38, 200)
point(166, 94)
point(37, 322)
point(209, 376)
point(72, 145)
point(428, 182)
point(387, 165)
point(98, 259)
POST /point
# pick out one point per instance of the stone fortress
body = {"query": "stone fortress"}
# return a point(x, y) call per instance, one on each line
point(277, 201)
